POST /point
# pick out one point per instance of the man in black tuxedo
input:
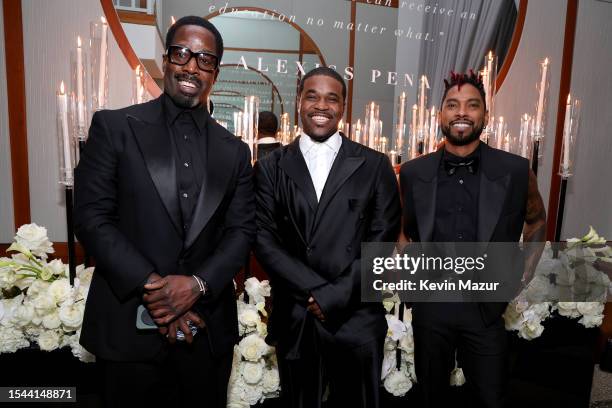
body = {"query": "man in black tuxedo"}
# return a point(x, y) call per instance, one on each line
point(466, 192)
point(267, 126)
point(318, 199)
point(164, 202)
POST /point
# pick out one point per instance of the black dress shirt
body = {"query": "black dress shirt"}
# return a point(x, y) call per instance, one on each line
point(456, 218)
point(187, 128)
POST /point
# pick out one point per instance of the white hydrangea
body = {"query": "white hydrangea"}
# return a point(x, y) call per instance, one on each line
point(12, 339)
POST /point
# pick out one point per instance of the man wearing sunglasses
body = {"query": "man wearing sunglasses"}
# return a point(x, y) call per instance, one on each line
point(164, 203)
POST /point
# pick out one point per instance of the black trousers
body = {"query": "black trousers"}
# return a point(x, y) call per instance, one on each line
point(352, 374)
point(181, 375)
point(443, 331)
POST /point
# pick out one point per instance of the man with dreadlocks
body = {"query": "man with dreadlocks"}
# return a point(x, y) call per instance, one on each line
point(466, 192)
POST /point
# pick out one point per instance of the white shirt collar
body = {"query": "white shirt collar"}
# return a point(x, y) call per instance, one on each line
point(333, 142)
point(266, 140)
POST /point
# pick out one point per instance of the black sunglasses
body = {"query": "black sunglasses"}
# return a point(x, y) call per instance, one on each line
point(180, 55)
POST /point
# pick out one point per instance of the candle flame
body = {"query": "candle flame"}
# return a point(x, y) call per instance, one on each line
point(103, 20)
point(433, 110)
point(501, 119)
point(62, 88)
point(137, 70)
point(546, 61)
point(79, 41)
point(525, 116)
point(172, 20)
point(414, 107)
point(490, 55)
point(569, 97)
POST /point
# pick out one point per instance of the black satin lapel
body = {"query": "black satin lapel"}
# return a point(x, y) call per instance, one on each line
point(490, 203)
point(294, 165)
point(344, 166)
point(425, 206)
point(154, 143)
point(220, 159)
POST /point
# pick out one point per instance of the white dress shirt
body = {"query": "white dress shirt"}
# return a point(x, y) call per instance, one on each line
point(319, 158)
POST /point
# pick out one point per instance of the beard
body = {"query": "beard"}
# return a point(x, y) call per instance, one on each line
point(459, 140)
point(322, 138)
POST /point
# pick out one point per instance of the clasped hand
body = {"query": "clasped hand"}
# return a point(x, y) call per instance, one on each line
point(169, 300)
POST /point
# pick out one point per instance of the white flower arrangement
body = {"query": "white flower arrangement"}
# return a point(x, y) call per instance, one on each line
point(254, 374)
point(571, 275)
point(37, 303)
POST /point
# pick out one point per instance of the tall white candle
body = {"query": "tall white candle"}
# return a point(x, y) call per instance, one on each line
point(80, 95)
point(422, 105)
point(525, 119)
point(500, 132)
point(567, 128)
point(540, 108)
point(401, 123)
point(432, 130)
point(414, 119)
point(102, 77)
point(62, 106)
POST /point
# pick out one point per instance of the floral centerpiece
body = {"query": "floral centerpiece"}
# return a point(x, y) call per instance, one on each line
point(254, 374)
point(37, 303)
point(568, 284)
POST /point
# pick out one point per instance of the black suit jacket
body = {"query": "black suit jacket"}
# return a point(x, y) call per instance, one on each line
point(314, 248)
point(127, 215)
point(502, 201)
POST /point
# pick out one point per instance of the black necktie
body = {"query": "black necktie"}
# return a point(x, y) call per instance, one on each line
point(451, 166)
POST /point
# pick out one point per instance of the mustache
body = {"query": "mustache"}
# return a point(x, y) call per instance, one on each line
point(189, 78)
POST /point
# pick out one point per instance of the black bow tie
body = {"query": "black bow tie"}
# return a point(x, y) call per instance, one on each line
point(451, 167)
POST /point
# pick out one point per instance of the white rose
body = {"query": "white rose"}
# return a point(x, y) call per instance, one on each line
point(51, 321)
point(37, 287)
point(531, 330)
point(9, 307)
point(79, 351)
point(271, 380)
point(396, 328)
point(49, 340)
point(44, 303)
point(245, 392)
point(57, 268)
point(568, 309)
point(457, 378)
point(71, 315)
point(589, 321)
point(35, 239)
point(23, 315)
point(252, 372)
point(8, 277)
point(257, 290)
point(12, 339)
point(253, 347)
point(249, 316)
point(398, 383)
point(590, 308)
point(60, 290)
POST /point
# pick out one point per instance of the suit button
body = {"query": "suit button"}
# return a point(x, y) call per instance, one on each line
point(308, 249)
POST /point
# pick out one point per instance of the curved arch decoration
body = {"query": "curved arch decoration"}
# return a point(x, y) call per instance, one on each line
point(514, 43)
point(277, 15)
point(264, 76)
